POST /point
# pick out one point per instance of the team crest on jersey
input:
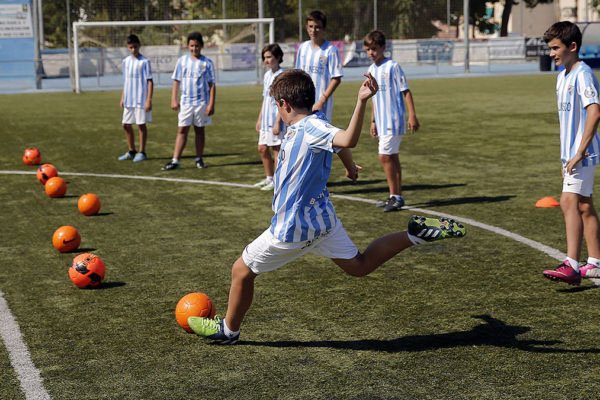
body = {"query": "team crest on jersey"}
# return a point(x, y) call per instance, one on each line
point(322, 59)
point(570, 88)
point(385, 75)
point(589, 92)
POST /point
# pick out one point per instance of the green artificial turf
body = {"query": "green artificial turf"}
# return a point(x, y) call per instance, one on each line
point(462, 319)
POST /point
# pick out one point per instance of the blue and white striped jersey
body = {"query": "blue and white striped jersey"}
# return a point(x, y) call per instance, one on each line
point(136, 73)
point(195, 76)
point(388, 102)
point(269, 107)
point(575, 91)
point(301, 202)
point(321, 64)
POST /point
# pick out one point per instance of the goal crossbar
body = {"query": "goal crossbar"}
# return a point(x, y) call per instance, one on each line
point(77, 25)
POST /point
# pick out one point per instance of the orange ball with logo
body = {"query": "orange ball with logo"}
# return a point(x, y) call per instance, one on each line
point(193, 305)
point(66, 238)
point(32, 156)
point(56, 187)
point(86, 271)
point(88, 204)
point(45, 172)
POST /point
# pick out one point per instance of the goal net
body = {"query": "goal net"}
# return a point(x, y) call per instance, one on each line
point(234, 46)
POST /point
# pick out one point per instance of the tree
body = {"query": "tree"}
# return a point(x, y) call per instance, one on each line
point(508, 8)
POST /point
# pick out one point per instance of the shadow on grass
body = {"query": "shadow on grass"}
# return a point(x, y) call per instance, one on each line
point(194, 157)
point(384, 189)
point(81, 250)
point(493, 332)
point(463, 200)
point(110, 285)
point(103, 214)
point(577, 289)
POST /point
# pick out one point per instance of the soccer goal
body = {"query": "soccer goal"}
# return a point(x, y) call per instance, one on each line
point(234, 46)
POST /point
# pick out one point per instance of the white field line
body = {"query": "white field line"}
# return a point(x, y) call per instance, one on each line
point(27, 373)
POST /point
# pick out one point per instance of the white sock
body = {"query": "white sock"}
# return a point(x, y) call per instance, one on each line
point(414, 239)
point(175, 161)
point(228, 332)
point(270, 178)
point(574, 263)
point(594, 261)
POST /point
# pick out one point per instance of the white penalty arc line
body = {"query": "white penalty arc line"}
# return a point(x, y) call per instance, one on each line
point(29, 375)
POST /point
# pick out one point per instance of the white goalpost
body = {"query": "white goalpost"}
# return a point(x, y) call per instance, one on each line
point(105, 56)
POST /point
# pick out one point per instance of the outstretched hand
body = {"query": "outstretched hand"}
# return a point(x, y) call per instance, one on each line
point(352, 173)
point(368, 88)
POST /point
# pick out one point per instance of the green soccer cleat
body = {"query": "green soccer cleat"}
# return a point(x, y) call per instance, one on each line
point(432, 229)
point(211, 329)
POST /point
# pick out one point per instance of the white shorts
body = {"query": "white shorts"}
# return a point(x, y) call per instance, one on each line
point(389, 144)
point(267, 253)
point(136, 115)
point(268, 139)
point(194, 115)
point(581, 181)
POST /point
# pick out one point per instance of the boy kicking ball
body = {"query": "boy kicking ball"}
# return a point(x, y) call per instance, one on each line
point(305, 220)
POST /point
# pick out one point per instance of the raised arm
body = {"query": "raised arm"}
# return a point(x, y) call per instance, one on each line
point(349, 137)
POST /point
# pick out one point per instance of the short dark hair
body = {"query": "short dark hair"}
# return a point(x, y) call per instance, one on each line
point(274, 49)
point(197, 36)
point(567, 32)
point(296, 87)
point(374, 37)
point(133, 39)
point(317, 16)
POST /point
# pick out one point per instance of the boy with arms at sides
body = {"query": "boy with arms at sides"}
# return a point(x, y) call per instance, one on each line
point(321, 60)
point(387, 118)
point(136, 98)
point(194, 75)
point(578, 115)
point(269, 124)
point(305, 220)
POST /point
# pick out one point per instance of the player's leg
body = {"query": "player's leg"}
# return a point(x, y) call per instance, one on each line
point(420, 230)
point(591, 233)
point(200, 140)
point(143, 133)
point(127, 121)
point(388, 149)
point(267, 160)
point(241, 294)
point(576, 186)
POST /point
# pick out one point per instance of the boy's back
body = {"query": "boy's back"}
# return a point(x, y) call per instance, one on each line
point(301, 201)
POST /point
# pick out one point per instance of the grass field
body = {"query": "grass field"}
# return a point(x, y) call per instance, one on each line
point(460, 319)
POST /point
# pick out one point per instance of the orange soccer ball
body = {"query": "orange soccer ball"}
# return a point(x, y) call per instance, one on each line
point(193, 305)
point(88, 204)
point(66, 238)
point(86, 270)
point(45, 172)
point(56, 187)
point(32, 156)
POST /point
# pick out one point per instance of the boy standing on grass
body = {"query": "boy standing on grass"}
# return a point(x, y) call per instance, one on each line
point(194, 74)
point(269, 124)
point(321, 60)
point(387, 117)
point(578, 115)
point(305, 220)
point(136, 98)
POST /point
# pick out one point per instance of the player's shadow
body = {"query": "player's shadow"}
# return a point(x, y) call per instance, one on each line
point(194, 157)
point(463, 200)
point(385, 189)
point(493, 332)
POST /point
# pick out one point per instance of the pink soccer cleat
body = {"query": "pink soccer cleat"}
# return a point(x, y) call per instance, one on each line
point(564, 273)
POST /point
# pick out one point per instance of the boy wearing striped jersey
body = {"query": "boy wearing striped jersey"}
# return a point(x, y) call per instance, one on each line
point(136, 98)
point(321, 60)
point(305, 220)
point(578, 115)
point(194, 76)
point(269, 124)
point(388, 115)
